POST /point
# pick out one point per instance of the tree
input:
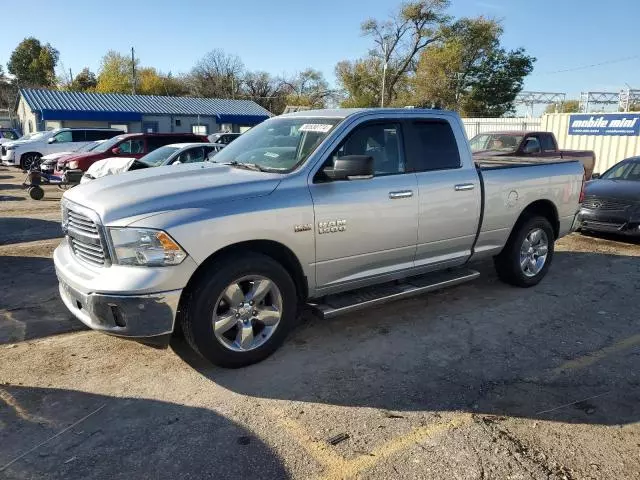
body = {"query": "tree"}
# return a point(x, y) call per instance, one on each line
point(216, 75)
point(85, 81)
point(115, 73)
point(495, 83)
point(469, 72)
point(361, 80)
point(265, 90)
point(33, 64)
point(8, 92)
point(570, 106)
point(308, 88)
point(402, 37)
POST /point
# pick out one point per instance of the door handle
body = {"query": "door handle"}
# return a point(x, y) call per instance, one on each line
point(464, 186)
point(401, 194)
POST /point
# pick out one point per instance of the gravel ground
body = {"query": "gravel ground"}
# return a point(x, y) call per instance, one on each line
point(481, 381)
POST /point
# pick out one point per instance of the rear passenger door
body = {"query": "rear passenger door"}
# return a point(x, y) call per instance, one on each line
point(448, 194)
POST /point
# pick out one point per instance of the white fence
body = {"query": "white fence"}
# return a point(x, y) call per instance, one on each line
point(474, 126)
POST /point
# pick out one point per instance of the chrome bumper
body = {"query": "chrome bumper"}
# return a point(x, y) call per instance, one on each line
point(126, 316)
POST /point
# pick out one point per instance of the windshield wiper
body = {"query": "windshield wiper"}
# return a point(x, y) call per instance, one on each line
point(253, 166)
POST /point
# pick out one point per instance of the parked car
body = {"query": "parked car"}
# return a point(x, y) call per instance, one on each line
point(612, 200)
point(24, 153)
point(536, 145)
point(174, 154)
point(8, 135)
point(223, 138)
point(133, 145)
point(49, 162)
point(308, 207)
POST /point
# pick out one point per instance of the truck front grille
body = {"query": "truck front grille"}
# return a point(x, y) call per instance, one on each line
point(593, 203)
point(85, 236)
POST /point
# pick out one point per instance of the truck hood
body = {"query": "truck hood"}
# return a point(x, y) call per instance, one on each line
point(627, 190)
point(141, 193)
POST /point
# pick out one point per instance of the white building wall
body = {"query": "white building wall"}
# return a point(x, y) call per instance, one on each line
point(609, 150)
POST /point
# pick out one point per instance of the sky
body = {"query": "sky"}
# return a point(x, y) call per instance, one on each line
point(287, 36)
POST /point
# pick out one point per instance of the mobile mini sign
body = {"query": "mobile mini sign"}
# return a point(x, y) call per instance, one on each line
point(618, 124)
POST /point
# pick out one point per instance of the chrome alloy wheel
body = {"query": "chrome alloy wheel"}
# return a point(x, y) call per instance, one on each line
point(533, 252)
point(247, 313)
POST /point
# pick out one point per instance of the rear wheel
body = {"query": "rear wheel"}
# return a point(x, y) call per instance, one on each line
point(240, 312)
point(528, 253)
point(30, 160)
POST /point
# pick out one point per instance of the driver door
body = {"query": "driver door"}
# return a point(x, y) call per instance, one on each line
point(365, 228)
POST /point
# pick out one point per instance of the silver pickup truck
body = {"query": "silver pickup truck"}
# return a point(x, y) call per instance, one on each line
point(334, 209)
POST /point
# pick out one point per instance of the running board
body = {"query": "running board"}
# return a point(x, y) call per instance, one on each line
point(347, 302)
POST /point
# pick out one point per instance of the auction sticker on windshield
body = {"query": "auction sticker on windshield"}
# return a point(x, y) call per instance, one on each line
point(315, 127)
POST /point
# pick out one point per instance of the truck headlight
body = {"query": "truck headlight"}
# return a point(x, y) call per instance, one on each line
point(145, 247)
point(73, 165)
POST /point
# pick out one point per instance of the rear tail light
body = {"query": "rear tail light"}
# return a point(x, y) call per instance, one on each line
point(582, 188)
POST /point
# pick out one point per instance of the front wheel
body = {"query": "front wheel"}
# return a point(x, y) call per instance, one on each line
point(240, 311)
point(528, 253)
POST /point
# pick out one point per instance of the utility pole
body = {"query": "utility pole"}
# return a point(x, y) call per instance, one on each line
point(70, 76)
point(133, 72)
point(384, 73)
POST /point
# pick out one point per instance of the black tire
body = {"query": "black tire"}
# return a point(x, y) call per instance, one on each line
point(36, 193)
point(196, 320)
point(29, 160)
point(507, 263)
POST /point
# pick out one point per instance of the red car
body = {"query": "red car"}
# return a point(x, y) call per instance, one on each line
point(131, 145)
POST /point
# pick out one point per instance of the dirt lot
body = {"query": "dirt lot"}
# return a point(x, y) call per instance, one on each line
point(482, 381)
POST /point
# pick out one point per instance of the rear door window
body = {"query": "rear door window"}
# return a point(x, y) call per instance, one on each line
point(78, 136)
point(431, 145)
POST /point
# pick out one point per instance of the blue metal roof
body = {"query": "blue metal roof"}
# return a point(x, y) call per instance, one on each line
point(59, 105)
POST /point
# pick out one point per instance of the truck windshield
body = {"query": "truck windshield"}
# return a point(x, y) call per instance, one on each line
point(497, 142)
point(278, 144)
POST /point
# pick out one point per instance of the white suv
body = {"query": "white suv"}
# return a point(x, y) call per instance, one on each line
point(24, 153)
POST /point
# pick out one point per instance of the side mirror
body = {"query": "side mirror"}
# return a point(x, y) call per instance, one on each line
point(52, 140)
point(531, 147)
point(595, 176)
point(351, 167)
point(115, 151)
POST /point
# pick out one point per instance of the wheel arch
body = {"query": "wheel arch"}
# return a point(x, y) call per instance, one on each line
point(277, 251)
point(542, 208)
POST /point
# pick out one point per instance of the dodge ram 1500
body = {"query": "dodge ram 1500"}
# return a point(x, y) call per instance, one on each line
point(335, 209)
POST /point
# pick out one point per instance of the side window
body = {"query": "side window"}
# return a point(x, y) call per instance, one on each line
point(192, 155)
point(381, 141)
point(431, 145)
point(78, 135)
point(208, 150)
point(64, 137)
point(532, 145)
point(133, 146)
point(93, 135)
point(9, 134)
point(156, 141)
point(547, 143)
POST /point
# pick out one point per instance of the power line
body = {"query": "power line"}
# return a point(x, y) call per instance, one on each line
point(584, 67)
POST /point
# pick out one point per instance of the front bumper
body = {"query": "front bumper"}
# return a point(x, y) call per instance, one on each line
point(591, 221)
point(9, 158)
point(135, 302)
